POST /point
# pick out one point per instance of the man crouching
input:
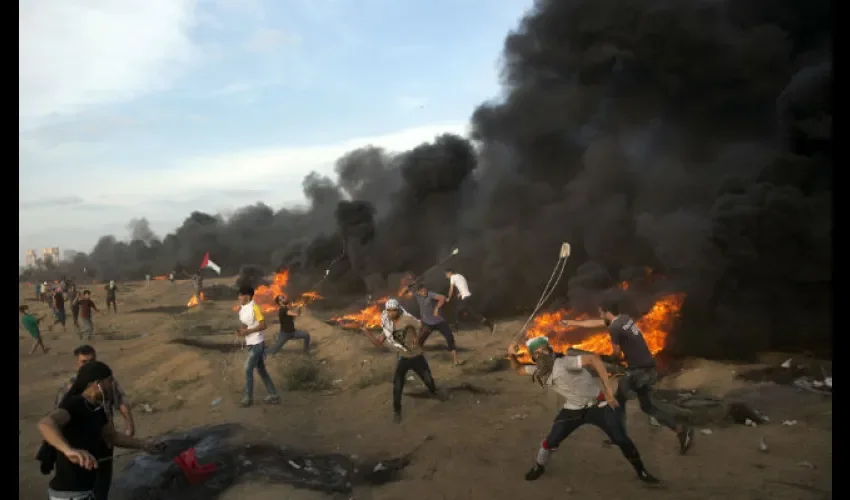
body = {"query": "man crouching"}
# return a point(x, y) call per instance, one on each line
point(585, 404)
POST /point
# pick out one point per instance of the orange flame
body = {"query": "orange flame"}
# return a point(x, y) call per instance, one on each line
point(370, 317)
point(160, 278)
point(655, 326)
point(264, 295)
point(195, 300)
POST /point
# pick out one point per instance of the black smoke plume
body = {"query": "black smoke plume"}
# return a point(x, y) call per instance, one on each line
point(690, 137)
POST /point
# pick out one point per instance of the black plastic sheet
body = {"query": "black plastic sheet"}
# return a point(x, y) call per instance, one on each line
point(150, 477)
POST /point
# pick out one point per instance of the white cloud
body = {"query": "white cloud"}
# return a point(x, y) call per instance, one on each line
point(78, 54)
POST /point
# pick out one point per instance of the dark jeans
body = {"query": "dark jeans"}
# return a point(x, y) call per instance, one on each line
point(640, 381)
point(465, 311)
point(256, 361)
point(284, 337)
point(606, 418)
point(103, 479)
point(444, 329)
point(111, 302)
point(419, 365)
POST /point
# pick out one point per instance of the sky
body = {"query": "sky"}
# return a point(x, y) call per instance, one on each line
point(156, 108)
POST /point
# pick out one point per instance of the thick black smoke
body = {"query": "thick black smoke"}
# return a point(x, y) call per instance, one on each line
point(693, 138)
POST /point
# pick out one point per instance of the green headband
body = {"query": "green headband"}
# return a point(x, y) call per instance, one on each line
point(537, 343)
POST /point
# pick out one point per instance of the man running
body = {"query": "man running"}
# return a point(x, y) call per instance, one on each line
point(111, 290)
point(84, 355)
point(429, 312)
point(86, 321)
point(584, 402)
point(171, 277)
point(286, 316)
point(640, 375)
point(253, 326)
point(30, 324)
point(400, 330)
point(459, 286)
point(59, 308)
point(74, 299)
point(73, 433)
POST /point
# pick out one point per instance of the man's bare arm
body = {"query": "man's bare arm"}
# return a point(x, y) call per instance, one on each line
point(516, 366)
point(111, 436)
point(128, 418)
point(377, 341)
point(261, 326)
point(595, 362)
point(451, 291)
point(50, 428)
point(584, 323)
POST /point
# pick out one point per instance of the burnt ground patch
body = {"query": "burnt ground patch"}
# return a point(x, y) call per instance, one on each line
point(161, 310)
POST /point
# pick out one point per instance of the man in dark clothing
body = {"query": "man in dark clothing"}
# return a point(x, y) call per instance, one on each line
point(429, 312)
point(640, 375)
point(86, 354)
point(399, 331)
point(111, 290)
point(286, 316)
point(59, 308)
point(76, 429)
point(74, 299)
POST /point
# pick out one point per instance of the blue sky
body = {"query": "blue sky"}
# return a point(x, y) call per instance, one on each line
point(155, 108)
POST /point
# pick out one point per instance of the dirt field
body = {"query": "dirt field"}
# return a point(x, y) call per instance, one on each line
point(482, 443)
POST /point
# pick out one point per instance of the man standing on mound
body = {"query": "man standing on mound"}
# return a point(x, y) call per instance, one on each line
point(400, 332)
point(584, 402)
point(253, 326)
point(640, 375)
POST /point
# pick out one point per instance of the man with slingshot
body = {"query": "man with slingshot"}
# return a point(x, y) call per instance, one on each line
point(568, 375)
point(399, 330)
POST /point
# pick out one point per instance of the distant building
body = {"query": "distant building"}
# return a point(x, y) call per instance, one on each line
point(69, 255)
point(51, 254)
point(31, 256)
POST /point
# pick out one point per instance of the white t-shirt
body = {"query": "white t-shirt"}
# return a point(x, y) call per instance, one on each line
point(250, 315)
point(578, 387)
point(460, 284)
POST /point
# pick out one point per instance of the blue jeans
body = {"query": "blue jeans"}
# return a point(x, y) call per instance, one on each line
point(284, 337)
point(255, 360)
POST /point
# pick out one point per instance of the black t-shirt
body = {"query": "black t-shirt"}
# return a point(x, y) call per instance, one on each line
point(83, 432)
point(287, 322)
point(626, 334)
point(59, 298)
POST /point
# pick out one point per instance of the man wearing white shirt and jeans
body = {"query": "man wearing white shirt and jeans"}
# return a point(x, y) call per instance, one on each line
point(253, 325)
point(457, 283)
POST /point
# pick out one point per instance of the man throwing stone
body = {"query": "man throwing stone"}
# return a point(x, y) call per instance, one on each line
point(429, 311)
point(459, 287)
point(400, 331)
point(584, 403)
point(640, 375)
point(286, 316)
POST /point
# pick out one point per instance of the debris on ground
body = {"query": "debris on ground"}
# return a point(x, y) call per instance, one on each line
point(229, 458)
point(705, 432)
point(803, 372)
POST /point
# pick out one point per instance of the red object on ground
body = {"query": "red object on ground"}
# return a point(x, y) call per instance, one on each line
point(193, 471)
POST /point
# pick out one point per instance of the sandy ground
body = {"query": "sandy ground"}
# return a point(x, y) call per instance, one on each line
point(482, 445)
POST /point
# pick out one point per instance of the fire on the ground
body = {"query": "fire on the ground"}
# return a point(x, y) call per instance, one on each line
point(264, 295)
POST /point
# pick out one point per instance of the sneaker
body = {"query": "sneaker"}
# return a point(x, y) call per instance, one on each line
point(686, 438)
point(535, 472)
point(397, 417)
point(245, 403)
point(648, 478)
point(272, 400)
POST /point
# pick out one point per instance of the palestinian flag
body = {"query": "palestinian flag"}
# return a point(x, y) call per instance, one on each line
point(208, 264)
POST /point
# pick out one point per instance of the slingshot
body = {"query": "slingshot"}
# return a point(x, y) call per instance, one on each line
point(554, 279)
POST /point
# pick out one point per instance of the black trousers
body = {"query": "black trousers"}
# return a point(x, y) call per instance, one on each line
point(606, 418)
point(444, 329)
point(464, 310)
point(103, 479)
point(419, 365)
point(641, 381)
